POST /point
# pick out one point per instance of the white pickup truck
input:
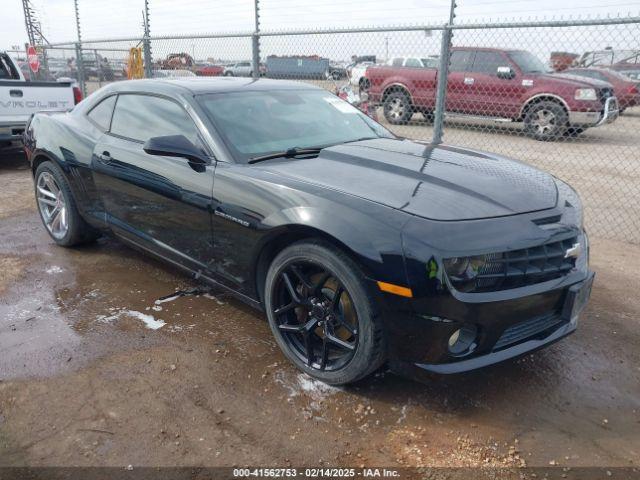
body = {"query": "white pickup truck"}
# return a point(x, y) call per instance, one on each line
point(19, 99)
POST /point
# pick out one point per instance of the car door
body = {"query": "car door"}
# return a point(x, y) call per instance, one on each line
point(160, 203)
point(457, 87)
point(422, 82)
point(490, 95)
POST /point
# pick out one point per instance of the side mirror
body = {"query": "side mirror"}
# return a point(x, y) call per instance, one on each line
point(175, 146)
point(505, 73)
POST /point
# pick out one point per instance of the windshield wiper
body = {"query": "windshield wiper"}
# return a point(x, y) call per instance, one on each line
point(291, 153)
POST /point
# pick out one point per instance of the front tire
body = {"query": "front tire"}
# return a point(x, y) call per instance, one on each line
point(322, 315)
point(57, 207)
point(546, 121)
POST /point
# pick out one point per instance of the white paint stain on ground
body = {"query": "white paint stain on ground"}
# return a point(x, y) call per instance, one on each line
point(54, 269)
point(149, 320)
point(303, 384)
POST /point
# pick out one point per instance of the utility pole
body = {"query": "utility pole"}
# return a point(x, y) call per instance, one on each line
point(146, 43)
point(443, 74)
point(79, 59)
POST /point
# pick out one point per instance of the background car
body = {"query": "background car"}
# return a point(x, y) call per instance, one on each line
point(173, 73)
point(357, 73)
point(625, 89)
point(240, 69)
point(207, 70)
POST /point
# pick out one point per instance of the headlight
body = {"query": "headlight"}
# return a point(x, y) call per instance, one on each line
point(462, 269)
point(566, 194)
point(585, 94)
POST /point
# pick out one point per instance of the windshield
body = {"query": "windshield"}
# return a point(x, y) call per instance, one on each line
point(528, 62)
point(253, 124)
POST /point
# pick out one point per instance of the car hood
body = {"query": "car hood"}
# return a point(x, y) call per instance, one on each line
point(574, 80)
point(439, 183)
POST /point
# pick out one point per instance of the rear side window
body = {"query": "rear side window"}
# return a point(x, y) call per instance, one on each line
point(101, 113)
point(488, 62)
point(413, 62)
point(141, 117)
point(460, 60)
point(397, 62)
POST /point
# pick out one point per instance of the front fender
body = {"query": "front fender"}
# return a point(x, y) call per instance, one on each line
point(374, 241)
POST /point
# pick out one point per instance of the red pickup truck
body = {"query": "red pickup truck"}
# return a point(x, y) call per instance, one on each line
point(503, 85)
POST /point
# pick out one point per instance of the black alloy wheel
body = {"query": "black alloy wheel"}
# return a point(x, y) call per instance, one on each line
point(321, 314)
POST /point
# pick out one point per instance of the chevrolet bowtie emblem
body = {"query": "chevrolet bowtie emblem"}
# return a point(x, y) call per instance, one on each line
point(574, 251)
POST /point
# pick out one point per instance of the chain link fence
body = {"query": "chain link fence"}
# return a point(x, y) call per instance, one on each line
point(563, 96)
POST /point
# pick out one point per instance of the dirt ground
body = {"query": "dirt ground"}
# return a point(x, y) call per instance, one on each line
point(93, 371)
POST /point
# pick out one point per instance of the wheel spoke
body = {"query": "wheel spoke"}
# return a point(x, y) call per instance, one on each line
point(55, 223)
point(325, 354)
point(346, 325)
point(285, 327)
point(308, 344)
point(285, 309)
point(335, 301)
point(46, 193)
point(53, 215)
point(47, 201)
point(52, 186)
point(291, 289)
point(301, 276)
point(339, 342)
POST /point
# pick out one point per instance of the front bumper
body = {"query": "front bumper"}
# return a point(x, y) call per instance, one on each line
point(596, 119)
point(509, 339)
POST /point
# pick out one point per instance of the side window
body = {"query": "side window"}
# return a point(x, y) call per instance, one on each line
point(101, 113)
point(488, 62)
point(460, 60)
point(397, 62)
point(413, 62)
point(141, 117)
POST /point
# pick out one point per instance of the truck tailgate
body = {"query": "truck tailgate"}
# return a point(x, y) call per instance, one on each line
point(18, 100)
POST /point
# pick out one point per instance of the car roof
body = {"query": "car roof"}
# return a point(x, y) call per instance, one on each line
point(203, 85)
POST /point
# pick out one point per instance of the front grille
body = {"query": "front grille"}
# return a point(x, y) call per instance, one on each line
point(604, 93)
point(528, 329)
point(527, 266)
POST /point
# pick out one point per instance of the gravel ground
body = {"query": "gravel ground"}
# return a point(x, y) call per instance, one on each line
point(88, 378)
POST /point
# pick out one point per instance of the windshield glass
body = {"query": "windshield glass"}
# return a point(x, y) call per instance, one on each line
point(258, 123)
point(528, 62)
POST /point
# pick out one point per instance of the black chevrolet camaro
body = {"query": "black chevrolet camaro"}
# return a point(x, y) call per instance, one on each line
point(363, 248)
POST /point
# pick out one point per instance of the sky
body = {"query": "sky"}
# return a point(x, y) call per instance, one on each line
point(123, 18)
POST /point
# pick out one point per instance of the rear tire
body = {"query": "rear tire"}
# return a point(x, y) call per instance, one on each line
point(397, 108)
point(57, 208)
point(546, 121)
point(321, 313)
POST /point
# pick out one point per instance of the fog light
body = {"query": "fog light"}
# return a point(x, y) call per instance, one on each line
point(462, 341)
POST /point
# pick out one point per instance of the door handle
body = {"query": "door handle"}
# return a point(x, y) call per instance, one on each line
point(15, 93)
point(105, 157)
point(469, 80)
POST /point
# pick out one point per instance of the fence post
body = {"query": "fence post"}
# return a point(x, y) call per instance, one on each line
point(146, 43)
point(255, 42)
point(443, 73)
point(79, 60)
point(80, 69)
